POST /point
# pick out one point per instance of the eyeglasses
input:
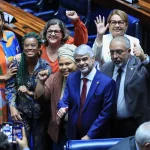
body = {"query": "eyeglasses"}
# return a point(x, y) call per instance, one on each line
point(56, 32)
point(119, 51)
point(113, 23)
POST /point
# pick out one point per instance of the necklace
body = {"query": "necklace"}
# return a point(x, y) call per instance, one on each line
point(31, 73)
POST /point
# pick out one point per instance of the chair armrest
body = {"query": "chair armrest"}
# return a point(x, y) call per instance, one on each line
point(45, 15)
point(27, 4)
point(104, 144)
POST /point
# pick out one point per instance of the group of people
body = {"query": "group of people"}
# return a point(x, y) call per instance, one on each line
point(63, 89)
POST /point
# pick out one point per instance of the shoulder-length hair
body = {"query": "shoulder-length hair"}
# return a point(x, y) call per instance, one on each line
point(64, 30)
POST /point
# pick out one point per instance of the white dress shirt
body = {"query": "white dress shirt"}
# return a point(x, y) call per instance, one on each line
point(90, 77)
point(122, 110)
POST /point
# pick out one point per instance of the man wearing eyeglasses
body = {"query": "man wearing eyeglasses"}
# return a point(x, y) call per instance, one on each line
point(132, 79)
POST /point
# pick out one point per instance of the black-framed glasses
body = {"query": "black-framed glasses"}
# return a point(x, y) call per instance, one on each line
point(119, 51)
point(114, 22)
point(56, 32)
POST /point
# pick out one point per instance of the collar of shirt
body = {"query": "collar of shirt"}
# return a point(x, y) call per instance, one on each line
point(137, 148)
point(124, 67)
point(37, 65)
point(111, 37)
point(4, 38)
point(91, 75)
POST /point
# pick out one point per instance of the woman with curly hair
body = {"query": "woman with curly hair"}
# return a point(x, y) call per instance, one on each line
point(20, 91)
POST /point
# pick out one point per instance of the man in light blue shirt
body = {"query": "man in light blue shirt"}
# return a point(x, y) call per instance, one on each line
point(132, 86)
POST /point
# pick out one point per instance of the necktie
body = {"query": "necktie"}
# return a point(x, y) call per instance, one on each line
point(82, 99)
point(118, 82)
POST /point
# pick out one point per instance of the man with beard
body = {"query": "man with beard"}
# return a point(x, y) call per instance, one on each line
point(89, 98)
point(132, 80)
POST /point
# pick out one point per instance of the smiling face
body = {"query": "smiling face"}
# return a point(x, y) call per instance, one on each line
point(84, 63)
point(54, 35)
point(117, 27)
point(31, 47)
point(66, 66)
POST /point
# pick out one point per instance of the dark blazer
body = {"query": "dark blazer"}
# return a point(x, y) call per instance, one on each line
point(125, 144)
point(98, 107)
point(135, 88)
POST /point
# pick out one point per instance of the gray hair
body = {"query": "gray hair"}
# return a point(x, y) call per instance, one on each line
point(142, 134)
point(84, 50)
point(122, 39)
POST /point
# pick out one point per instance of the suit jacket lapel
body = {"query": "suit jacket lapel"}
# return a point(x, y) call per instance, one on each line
point(130, 69)
point(77, 82)
point(92, 89)
point(109, 71)
point(132, 144)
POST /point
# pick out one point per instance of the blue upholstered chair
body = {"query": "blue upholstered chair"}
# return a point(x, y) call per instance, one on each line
point(95, 144)
point(48, 11)
point(30, 6)
point(133, 27)
point(82, 7)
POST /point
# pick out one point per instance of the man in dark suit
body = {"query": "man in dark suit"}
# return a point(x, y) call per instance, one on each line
point(90, 103)
point(141, 140)
point(132, 80)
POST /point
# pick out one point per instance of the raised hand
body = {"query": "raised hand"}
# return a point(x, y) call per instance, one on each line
point(43, 75)
point(100, 25)
point(138, 52)
point(72, 15)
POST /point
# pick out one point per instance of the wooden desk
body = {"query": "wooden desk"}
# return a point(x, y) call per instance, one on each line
point(140, 9)
point(25, 22)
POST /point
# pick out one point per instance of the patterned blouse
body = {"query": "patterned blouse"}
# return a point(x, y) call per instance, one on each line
point(9, 47)
point(26, 104)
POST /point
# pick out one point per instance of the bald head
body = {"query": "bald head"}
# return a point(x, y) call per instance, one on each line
point(122, 39)
point(142, 135)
